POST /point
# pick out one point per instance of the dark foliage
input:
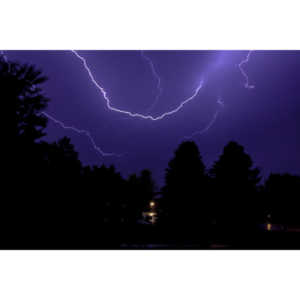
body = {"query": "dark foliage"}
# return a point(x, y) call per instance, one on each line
point(235, 188)
point(282, 193)
point(185, 201)
point(56, 202)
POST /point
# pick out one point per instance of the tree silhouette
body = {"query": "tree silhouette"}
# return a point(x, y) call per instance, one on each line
point(235, 187)
point(61, 158)
point(184, 194)
point(104, 191)
point(19, 83)
point(56, 202)
point(140, 193)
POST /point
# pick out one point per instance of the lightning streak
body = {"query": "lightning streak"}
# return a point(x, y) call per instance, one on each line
point(134, 115)
point(138, 115)
point(244, 61)
point(221, 103)
point(81, 131)
point(210, 124)
point(155, 74)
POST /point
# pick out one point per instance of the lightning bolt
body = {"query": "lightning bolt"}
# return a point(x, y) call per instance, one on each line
point(77, 130)
point(210, 124)
point(139, 115)
point(221, 103)
point(240, 65)
point(156, 76)
point(81, 131)
point(133, 115)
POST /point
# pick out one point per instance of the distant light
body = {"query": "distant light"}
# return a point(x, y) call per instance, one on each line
point(152, 214)
point(152, 204)
point(269, 226)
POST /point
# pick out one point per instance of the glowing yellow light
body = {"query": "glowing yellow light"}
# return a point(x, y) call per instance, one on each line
point(152, 204)
point(269, 226)
point(151, 214)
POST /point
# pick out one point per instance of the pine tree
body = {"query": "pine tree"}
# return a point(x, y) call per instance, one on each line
point(235, 186)
point(184, 193)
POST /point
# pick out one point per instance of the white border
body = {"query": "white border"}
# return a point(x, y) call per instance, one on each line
point(155, 24)
point(231, 275)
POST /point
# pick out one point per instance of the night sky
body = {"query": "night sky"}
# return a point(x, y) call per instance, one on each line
point(264, 119)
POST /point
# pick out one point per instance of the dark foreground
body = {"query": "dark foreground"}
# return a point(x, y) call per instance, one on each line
point(154, 238)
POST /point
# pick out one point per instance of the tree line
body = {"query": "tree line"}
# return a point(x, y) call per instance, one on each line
point(58, 201)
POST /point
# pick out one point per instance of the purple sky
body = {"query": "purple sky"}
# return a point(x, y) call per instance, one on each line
point(265, 119)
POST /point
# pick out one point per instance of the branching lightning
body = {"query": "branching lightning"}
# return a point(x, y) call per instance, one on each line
point(134, 115)
point(139, 115)
point(157, 78)
point(210, 124)
point(221, 103)
point(77, 130)
point(81, 131)
point(244, 61)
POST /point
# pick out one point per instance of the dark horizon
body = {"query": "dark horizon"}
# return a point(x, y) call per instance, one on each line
point(262, 116)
